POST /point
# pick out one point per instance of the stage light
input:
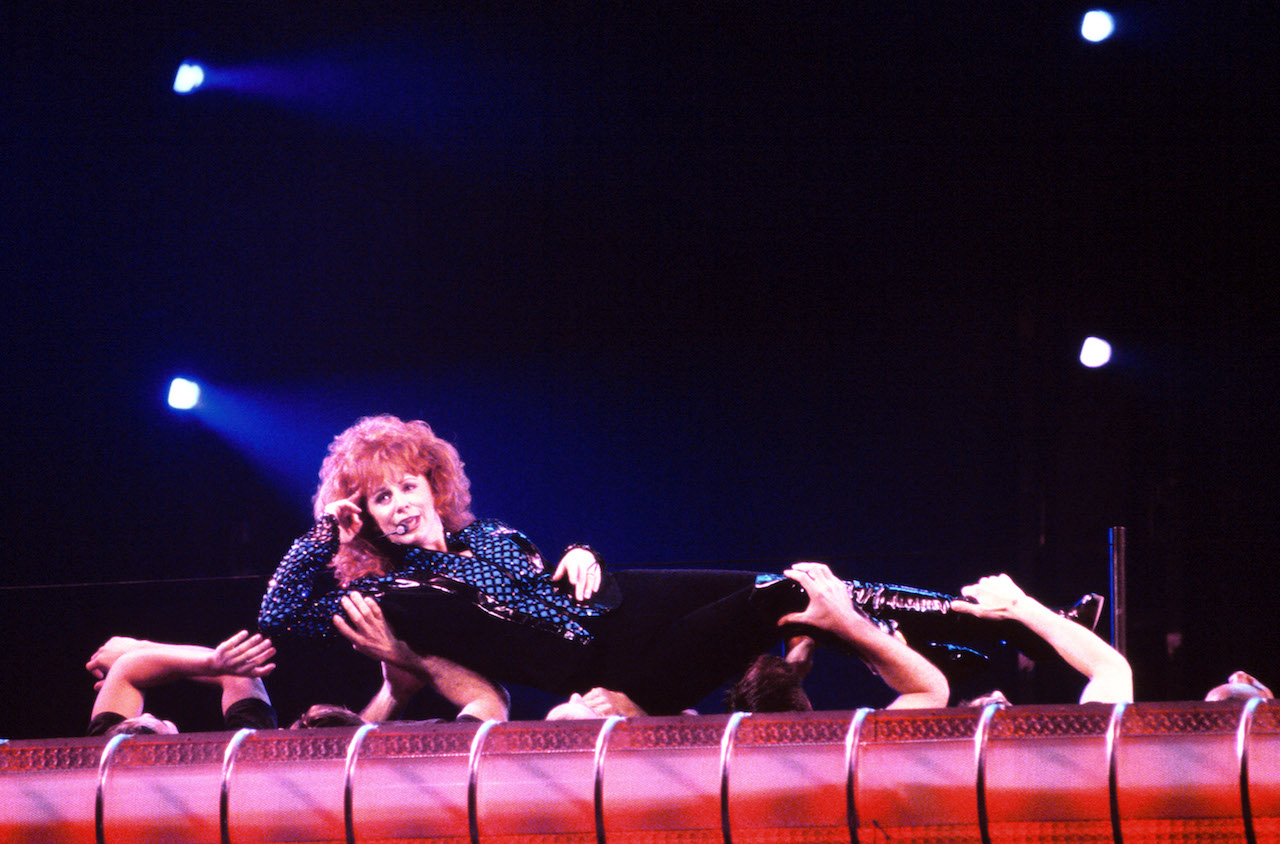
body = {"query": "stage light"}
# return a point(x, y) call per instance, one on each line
point(190, 76)
point(1095, 352)
point(184, 394)
point(1097, 25)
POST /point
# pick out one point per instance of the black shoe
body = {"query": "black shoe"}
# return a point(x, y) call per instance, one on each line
point(1086, 612)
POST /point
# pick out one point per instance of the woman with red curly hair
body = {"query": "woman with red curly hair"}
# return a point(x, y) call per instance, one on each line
point(394, 524)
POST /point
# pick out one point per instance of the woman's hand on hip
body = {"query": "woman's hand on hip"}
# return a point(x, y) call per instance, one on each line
point(368, 631)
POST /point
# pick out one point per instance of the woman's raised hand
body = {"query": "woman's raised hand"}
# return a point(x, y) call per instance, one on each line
point(347, 512)
point(583, 570)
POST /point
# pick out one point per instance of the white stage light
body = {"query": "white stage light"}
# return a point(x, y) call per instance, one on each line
point(1097, 25)
point(184, 394)
point(1095, 352)
point(190, 76)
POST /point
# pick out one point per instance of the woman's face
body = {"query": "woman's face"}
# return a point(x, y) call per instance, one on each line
point(404, 510)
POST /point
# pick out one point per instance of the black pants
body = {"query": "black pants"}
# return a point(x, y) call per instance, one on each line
point(677, 635)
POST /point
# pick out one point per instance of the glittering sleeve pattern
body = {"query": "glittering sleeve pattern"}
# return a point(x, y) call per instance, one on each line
point(302, 596)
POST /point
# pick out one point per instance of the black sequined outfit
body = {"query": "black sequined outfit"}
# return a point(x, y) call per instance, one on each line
point(665, 637)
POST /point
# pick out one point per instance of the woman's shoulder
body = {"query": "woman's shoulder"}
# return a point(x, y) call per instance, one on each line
point(494, 534)
point(488, 527)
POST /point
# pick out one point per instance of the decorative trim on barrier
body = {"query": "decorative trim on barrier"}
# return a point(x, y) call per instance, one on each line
point(597, 773)
point(726, 751)
point(348, 780)
point(1189, 768)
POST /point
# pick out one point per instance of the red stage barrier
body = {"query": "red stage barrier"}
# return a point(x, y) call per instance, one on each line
point(1169, 772)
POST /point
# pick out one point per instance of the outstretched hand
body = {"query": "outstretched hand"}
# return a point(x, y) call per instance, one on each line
point(583, 570)
point(830, 606)
point(993, 597)
point(243, 656)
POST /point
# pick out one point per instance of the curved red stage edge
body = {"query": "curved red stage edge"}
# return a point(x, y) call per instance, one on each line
point(1146, 772)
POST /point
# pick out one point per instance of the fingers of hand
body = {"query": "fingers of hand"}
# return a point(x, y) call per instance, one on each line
point(344, 628)
point(354, 605)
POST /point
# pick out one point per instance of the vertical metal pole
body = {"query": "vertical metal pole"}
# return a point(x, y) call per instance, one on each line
point(602, 745)
point(980, 736)
point(1113, 769)
point(726, 753)
point(349, 780)
point(473, 779)
point(1116, 542)
point(852, 746)
point(1242, 756)
point(99, 803)
point(228, 765)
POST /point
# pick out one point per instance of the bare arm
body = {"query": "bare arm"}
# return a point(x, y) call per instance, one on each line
point(398, 686)
point(998, 597)
point(146, 664)
point(917, 681)
point(370, 634)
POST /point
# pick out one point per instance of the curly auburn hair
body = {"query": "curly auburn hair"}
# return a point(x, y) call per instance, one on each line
point(362, 456)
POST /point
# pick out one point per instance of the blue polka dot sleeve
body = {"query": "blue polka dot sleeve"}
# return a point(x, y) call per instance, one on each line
point(303, 596)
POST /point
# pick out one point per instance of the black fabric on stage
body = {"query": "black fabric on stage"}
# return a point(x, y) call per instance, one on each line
point(676, 636)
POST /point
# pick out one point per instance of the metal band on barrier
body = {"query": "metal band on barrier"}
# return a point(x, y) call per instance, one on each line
point(104, 765)
point(473, 779)
point(980, 735)
point(597, 767)
point(348, 780)
point(1242, 756)
point(1113, 781)
point(726, 751)
point(852, 745)
point(224, 798)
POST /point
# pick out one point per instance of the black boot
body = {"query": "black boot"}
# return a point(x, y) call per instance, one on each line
point(1086, 611)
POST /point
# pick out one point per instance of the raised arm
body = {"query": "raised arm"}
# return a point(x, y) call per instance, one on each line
point(301, 597)
point(917, 681)
point(405, 671)
point(998, 597)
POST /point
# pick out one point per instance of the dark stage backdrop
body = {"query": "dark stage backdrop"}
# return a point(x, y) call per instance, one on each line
point(716, 284)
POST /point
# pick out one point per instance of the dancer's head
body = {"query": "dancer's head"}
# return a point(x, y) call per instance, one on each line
point(1239, 686)
point(771, 684)
point(144, 724)
point(326, 715)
